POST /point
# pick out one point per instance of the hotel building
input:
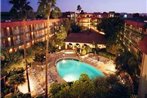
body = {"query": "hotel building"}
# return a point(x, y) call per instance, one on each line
point(87, 20)
point(134, 38)
point(20, 34)
point(91, 20)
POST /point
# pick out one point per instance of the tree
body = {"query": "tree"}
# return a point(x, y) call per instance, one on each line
point(58, 39)
point(60, 90)
point(5, 58)
point(61, 34)
point(20, 9)
point(21, 95)
point(75, 28)
point(111, 27)
point(101, 87)
point(136, 15)
point(67, 24)
point(84, 87)
point(45, 7)
point(10, 58)
point(104, 87)
point(79, 8)
point(82, 11)
point(12, 80)
point(44, 10)
point(115, 48)
point(40, 57)
point(119, 90)
point(55, 88)
point(39, 47)
point(56, 13)
point(128, 62)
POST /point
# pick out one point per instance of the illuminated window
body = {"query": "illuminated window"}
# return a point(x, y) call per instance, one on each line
point(44, 39)
point(33, 41)
point(28, 44)
point(9, 39)
point(99, 16)
point(20, 47)
point(7, 28)
point(15, 49)
point(10, 50)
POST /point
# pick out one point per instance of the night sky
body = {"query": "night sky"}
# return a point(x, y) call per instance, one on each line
point(130, 6)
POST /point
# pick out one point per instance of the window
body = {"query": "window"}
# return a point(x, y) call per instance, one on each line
point(10, 50)
point(2, 32)
point(8, 31)
point(27, 36)
point(18, 39)
point(21, 29)
point(9, 41)
point(15, 30)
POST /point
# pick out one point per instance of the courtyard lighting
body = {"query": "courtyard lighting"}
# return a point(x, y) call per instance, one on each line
point(63, 61)
point(9, 39)
point(24, 87)
point(10, 50)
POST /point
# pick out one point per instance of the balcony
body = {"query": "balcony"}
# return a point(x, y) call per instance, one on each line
point(134, 31)
point(18, 42)
point(15, 32)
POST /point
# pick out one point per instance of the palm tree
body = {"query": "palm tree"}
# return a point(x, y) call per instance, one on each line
point(112, 27)
point(79, 8)
point(44, 9)
point(56, 13)
point(20, 9)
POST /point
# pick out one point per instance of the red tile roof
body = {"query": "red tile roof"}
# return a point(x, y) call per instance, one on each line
point(135, 23)
point(86, 37)
point(20, 23)
point(143, 45)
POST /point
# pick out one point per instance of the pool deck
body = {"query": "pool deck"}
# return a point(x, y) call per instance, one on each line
point(103, 64)
point(37, 71)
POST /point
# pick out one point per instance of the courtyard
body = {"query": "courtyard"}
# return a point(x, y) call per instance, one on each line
point(37, 72)
point(73, 49)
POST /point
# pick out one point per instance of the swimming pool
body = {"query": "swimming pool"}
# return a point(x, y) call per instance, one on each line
point(71, 69)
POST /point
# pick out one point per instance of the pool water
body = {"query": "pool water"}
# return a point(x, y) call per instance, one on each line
point(71, 69)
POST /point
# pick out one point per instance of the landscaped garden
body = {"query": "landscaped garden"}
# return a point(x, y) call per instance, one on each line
point(13, 71)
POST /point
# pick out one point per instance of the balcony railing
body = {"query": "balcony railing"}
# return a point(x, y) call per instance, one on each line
point(134, 31)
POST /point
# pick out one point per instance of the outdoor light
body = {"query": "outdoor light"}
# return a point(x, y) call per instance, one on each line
point(125, 16)
point(59, 47)
point(44, 57)
point(70, 78)
point(63, 61)
point(9, 39)
point(11, 50)
point(20, 47)
point(7, 28)
point(28, 44)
